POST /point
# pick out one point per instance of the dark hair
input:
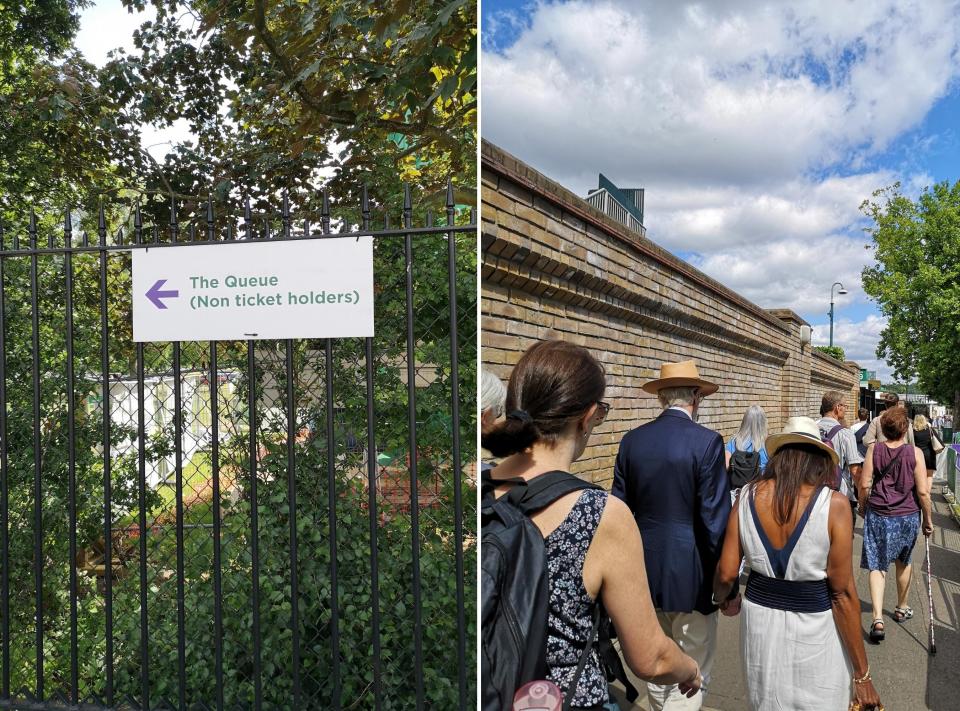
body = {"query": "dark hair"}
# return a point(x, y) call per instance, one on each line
point(863, 413)
point(894, 423)
point(792, 466)
point(891, 398)
point(554, 382)
point(830, 400)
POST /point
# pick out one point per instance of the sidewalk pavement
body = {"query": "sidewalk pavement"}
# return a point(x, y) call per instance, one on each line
point(905, 675)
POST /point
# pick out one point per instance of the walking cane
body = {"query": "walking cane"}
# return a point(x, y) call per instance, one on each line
point(933, 644)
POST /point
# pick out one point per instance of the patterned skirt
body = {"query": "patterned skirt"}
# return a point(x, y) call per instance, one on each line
point(888, 538)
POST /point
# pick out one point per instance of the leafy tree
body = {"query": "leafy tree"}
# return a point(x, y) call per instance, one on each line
point(832, 351)
point(269, 86)
point(267, 89)
point(900, 388)
point(916, 283)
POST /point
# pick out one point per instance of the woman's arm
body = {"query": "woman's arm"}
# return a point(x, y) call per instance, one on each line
point(843, 594)
point(921, 483)
point(726, 458)
point(728, 567)
point(617, 552)
point(866, 480)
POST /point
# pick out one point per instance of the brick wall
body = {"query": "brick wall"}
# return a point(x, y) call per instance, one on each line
point(555, 267)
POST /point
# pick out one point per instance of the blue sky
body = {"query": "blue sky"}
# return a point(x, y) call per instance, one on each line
point(757, 127)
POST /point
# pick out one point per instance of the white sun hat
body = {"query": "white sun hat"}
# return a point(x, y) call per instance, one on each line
point(800, 430)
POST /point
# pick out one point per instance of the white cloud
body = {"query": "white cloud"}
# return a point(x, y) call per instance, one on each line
point(715, 93)
point(754, 125)
point(791, 273)
point(694, 218)
point(859, 341)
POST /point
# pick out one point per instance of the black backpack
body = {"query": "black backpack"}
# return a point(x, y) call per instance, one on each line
point(515, 589)
point(861, 447)
point(744, 468)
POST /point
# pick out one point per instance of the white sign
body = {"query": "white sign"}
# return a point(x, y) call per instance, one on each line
point(316, 288)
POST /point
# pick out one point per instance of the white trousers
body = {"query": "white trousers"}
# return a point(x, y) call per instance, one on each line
point(697, 636)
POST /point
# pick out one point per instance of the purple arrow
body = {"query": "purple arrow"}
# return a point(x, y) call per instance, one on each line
point(155, 294)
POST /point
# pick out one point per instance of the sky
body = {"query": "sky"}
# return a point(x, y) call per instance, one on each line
point(757, 128)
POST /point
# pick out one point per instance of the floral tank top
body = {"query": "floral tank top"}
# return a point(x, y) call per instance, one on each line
point(570, 619)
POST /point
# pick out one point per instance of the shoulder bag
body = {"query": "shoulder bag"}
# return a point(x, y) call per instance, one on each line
point(935, 442)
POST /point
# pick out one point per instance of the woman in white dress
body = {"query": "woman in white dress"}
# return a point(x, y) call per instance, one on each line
point(800, 636)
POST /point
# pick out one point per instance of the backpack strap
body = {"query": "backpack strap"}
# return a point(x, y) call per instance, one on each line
point(544, 489)
point(833, 431)
point(610, 658)
point(571, 690)
point(488, 483)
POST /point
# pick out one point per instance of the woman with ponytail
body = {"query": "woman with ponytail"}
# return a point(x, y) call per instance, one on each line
point(594, 550)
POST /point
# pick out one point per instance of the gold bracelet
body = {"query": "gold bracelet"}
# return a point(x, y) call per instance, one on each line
point(864, 679)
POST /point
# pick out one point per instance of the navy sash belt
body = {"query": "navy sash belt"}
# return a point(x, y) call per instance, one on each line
point(789, 595)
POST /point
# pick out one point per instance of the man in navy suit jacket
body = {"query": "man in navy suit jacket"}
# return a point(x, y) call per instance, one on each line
point(671, 474)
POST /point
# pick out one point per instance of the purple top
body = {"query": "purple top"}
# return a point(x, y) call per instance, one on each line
point(894, 495)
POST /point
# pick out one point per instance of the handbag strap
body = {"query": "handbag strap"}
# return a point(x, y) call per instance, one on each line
point(883, 472)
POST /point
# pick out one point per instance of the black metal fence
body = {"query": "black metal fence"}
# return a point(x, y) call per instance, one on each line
point(236, 525)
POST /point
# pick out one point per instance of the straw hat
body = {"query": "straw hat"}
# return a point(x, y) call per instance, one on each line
point(800, 430)
point(680, 375)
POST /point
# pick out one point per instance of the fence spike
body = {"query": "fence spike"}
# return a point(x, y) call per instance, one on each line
point(84, 239)
point(451, 204)
point(230, 231)
point(210, 217)
point(67, 226)
point(174, 222)
point(119, 235)
point(285, 214)
point(365, 207)
point(407, 206)
point(325, 212)
point(193, 231)
point(156, 234)
point(248, 218)
point(32, 228)
point(407, 200)
point(101, 217)
point(429, 218)
point(1, 236)
point(137, 217)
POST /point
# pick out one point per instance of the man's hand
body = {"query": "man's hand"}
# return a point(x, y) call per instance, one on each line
point(731, 608)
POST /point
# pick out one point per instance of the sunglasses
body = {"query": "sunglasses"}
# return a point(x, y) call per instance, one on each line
point(603, 408)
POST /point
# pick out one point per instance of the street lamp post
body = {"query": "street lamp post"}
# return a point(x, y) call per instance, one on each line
point(839, 293)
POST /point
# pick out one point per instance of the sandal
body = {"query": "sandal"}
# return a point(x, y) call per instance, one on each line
point(902, 613)
point(877, 635)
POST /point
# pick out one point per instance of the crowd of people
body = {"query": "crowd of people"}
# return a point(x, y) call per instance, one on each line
point(664, 552)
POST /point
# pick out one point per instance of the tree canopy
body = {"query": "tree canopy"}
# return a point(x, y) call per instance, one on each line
point(274, 92)
point(916, 283)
